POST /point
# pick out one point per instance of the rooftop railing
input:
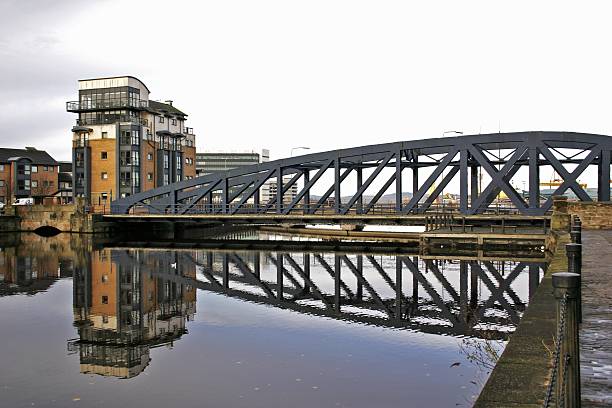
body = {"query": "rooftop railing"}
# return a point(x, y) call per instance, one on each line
point(80, 106)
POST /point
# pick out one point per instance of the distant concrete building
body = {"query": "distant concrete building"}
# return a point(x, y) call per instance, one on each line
point(269, 189)
point(215, 162)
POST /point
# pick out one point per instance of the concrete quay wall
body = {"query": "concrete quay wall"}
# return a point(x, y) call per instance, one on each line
point(522, 374)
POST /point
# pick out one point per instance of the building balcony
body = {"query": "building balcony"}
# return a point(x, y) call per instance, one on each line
point(112, 119)
point(87, 106)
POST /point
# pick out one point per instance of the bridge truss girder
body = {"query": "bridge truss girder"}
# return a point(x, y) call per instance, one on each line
point(377, 168)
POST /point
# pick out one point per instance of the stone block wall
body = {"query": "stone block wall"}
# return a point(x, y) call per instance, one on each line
point(594, 215)
point(66, 218)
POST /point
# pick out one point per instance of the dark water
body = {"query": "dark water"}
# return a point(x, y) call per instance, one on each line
point(144, 327)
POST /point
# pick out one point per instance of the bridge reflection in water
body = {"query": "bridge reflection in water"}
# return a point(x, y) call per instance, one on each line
point(127, 301)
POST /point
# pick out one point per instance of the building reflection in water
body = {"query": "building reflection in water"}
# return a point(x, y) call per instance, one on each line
point(29, 264)
point(122, 310)
point(127, 301)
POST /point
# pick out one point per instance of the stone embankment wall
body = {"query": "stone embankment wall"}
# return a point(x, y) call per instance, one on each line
point(65, 218)
point(594, 215)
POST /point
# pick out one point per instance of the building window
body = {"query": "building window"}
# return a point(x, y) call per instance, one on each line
point(161, 119)
point(135, 137)
point(149, 176)
point(166, 179)
point(126, 158)
point(166, 161)
point(26, 184)
point(104, 278)
point(136, 179)
point(103, 155)
point(135, 158)
point(125, 179)
point(34, 169)
point(149, 156)
point(104, 319)
point(1, 183)
point(104, 135)
point(45, 168)
point(105, 300)
point(34, 183)
point(125, 137)
point(104, 196)
point(173, 122)
point(104, 175)
point(1, 167)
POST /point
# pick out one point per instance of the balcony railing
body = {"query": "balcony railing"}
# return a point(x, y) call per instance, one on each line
point(81, 106)
point(112, 119)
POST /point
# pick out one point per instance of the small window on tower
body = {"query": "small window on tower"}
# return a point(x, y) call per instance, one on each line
point(103, 155)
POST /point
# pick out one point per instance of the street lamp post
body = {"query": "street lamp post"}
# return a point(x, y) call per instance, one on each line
point(306, 174)
point(298, 148)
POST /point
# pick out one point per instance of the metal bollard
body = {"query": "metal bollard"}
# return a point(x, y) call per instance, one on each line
point(574, 265)
point(566, 286)
point(576, 237)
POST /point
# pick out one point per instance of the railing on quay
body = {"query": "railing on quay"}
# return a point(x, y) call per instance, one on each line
point(564, 387)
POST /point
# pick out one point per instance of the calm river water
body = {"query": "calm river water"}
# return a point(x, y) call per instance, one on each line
point(106, 326)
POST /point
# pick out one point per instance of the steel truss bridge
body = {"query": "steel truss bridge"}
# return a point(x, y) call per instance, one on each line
point(360, 288)
point(416, 172)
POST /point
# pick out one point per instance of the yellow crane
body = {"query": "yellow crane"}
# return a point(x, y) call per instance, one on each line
point(558, 182)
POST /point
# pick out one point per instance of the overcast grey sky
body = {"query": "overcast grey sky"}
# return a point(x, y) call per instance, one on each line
point(324, 74)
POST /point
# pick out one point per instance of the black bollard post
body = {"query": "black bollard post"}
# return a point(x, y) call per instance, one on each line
point(577, 222)
point(565, 286)
point(576, 236)
point(574, 265)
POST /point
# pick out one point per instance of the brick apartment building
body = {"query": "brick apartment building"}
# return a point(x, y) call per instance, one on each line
point(124, 143)
point(28, 173)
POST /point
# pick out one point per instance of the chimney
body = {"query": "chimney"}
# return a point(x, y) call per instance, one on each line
point(169, 103)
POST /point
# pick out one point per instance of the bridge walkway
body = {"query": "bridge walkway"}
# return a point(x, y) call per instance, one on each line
point(596, 328)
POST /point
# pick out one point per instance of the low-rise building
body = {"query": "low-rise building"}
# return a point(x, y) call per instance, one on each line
point(124, 142)
point(26, 173)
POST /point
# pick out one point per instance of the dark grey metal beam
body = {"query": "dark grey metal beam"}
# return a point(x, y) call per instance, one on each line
point(476, 151)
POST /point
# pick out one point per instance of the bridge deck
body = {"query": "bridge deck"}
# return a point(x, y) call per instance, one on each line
point(379, 219)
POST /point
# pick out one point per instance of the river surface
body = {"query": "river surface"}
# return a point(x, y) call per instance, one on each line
point(92, 325)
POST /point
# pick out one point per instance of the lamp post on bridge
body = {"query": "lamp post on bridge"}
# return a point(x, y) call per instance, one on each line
point(298, 148)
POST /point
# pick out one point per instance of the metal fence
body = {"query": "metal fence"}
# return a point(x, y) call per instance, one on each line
point(564, 387)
